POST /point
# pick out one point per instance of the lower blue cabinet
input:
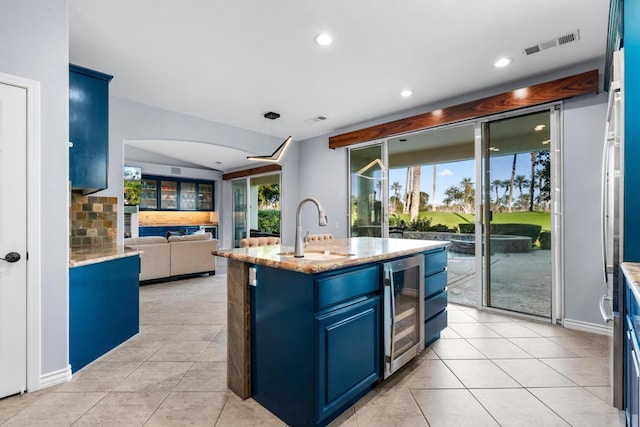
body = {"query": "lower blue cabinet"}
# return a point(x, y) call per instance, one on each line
point(348, 353)
point(631, 360)
point(315, 341)
point(435, 294)
point(103, 308)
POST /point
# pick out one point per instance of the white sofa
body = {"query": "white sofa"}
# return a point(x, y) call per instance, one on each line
point(175, 257)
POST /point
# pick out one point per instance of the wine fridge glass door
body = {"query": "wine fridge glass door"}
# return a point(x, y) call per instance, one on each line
point(403, 311)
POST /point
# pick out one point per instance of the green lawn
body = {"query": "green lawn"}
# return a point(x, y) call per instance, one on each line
point(452, 220)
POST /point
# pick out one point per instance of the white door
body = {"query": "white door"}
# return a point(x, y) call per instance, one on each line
point(13, 239)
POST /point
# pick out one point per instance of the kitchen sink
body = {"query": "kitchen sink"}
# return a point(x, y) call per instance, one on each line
point(318, 255)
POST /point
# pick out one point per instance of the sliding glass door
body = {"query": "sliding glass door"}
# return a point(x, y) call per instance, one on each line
point(517, 211)
point(256, 207)
point(368, 195)
point(432, 177)
point(489, 187)
point(239, 191)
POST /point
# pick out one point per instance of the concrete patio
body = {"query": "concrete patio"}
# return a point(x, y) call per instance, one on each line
point(521, 282)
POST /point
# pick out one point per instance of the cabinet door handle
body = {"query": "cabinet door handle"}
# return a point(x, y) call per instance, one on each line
point(392, 303)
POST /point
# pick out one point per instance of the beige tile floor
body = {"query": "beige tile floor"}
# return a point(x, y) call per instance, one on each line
point(487, 369)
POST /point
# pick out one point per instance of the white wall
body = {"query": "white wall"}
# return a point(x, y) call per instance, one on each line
point(324, 174)
point(129, 120)
point(35, 45)
point(169, 170)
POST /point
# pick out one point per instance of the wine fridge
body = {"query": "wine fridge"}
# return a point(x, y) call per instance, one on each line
point(403, 311)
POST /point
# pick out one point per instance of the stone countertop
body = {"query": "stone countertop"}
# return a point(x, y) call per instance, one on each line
point(631, 272)
point(79, 257)
point(362, 250)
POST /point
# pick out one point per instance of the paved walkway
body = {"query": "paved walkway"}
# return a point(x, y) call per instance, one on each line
point(519, 281)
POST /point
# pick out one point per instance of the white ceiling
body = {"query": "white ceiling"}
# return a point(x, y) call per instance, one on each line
point(232, 61)
point(196, 153)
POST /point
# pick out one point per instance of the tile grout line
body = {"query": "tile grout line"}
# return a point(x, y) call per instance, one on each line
point(222, 409)
point(168, 394)
point(419, 407)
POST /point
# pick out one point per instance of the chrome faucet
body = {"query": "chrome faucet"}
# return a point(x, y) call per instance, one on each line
point(322, 221)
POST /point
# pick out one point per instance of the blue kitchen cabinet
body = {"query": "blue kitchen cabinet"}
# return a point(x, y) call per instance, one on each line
point(88, 129)
point(632, 358)
point(103, 308)
point(348, 353)
point(315, 341)
point(631, 232)
point(167, 193)
point(435, 294)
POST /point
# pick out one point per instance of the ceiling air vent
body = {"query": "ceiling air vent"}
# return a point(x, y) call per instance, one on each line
point(315, 119)
point(558, 41)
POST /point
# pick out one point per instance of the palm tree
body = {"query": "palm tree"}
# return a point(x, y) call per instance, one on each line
point(513, 175)
point(534, 156)
point(495, 185)
point(433, 199)
point(415, 196)
point(505, 185)
point(407, 194)
point(524, 201)
point(454, 194)
point(467, 190)
point(521, 182)
point(543, 187)
point(395, 187)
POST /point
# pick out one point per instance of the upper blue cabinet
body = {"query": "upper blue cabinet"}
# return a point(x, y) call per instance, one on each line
point(88, 129)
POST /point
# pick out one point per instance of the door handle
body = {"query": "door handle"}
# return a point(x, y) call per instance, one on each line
point(11, 257)
point(605, 316)
point(392, 320)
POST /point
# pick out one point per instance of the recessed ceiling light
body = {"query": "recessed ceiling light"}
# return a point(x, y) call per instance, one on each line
point(406, 93)
point(502, 62)
point(539, 128)
point(323, 39)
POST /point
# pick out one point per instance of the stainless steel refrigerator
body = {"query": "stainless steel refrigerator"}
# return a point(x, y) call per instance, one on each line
point(612, 301)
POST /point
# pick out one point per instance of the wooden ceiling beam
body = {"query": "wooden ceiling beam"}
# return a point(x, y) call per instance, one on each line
point(253, 171)
point(556, 90)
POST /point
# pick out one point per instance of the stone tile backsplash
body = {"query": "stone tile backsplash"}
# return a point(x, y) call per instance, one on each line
point(93, 220)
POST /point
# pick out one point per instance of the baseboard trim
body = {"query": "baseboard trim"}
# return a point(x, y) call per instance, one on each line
point(56, 377)
point(593, 328)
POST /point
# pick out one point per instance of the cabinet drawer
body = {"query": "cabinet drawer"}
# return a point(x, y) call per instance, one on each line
point(435, 304)
point(435, 261)
point(433, 326)
point(335, 289)
point(435, 283)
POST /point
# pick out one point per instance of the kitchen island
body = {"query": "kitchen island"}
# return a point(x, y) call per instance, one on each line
point(305, 334)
